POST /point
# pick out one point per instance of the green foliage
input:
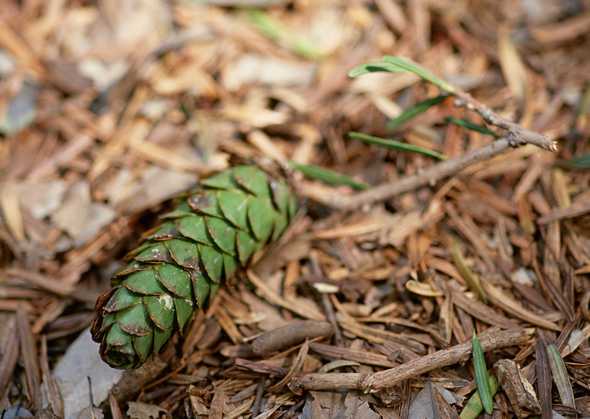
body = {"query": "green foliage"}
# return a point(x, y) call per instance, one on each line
point(414, 111)
point(579, 163)
point(276, 31)
point(328, 176)
point(465, 123)
point(391, 64)
point(183, 261)
point(395, 145)
point(481, 375)
point(473, 407)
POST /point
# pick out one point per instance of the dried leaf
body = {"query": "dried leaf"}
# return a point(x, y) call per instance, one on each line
point(43, 198)
point(560, 376)
point(420, 288)
point(79, 216)
point(519, 390)
point(512, 66)
point(80, 362)
point(21, 110)
point(505, 302)
point(356, 407)
point(250, 69)
point(11, 210)
point(472, 280)
point(138, 410)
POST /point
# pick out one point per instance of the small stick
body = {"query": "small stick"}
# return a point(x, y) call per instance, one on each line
point(492, 340)
point(327, 381)
point(290, 335)
point(429, 176)
point(517, 134)
point(332, 318)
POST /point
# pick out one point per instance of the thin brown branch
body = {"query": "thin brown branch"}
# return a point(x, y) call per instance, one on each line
point(430, 176)
point(490, 341)
point(515, 133)
point(290, 335)
point(378, 381)
point(514, 136)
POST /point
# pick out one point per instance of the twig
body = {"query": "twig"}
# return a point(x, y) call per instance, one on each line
point(429, 176)
point(378, 381)
point(290, 335)
point(515, 133)
point(515, 136)
point(443, 358)
point(327, 381)
point(575, 210)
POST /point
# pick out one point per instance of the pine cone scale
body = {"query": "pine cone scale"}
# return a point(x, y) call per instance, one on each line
point(183, 261)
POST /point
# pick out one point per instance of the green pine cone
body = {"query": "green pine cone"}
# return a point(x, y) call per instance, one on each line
point(183, 261)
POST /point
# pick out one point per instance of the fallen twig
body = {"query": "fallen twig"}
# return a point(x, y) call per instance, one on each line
point(514, 136)
point(381, 380)
point(290, 335)
point(429, 176)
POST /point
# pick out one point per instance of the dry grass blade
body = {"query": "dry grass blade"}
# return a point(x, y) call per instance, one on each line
point(543, 373)
point(10, 352)
point(50, 384)
point(480, 311)
point(295, 367)
point(28, 350)
point(468, 275)
point(560, 376)
point(502, 300)
point(274, 298)
point(512, 65)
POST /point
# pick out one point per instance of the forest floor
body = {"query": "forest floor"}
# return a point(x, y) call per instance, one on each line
point(109, 109)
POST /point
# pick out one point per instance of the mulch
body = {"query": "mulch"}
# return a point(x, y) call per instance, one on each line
point(109, 109)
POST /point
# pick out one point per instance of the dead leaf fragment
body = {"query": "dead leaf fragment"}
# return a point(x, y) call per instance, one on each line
point(270, 71)
point(139, 410)
point(519, 390)
point(420, 288)
point(79, 216)
point(42, 198)
point(80, 362)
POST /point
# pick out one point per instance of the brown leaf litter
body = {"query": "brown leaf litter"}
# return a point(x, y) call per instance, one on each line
point(109, 109)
